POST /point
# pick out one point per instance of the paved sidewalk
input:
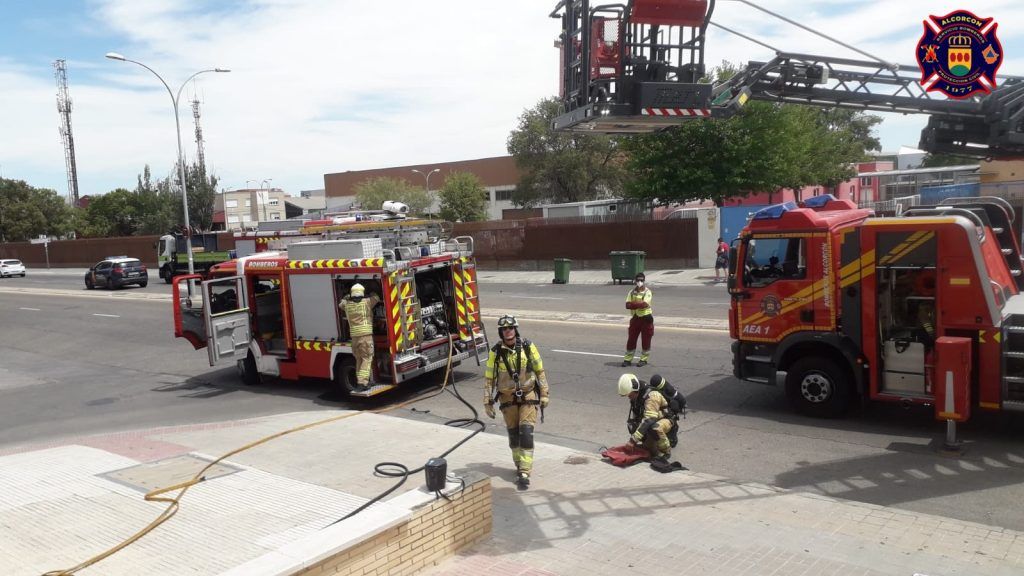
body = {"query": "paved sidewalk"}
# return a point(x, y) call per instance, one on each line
point(61, 503)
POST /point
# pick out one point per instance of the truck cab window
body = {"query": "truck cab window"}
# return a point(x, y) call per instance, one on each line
point(772, 259)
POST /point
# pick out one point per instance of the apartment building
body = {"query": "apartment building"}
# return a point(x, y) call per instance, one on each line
point(246, 208)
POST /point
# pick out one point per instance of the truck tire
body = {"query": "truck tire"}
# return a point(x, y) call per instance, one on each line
point(818, 387)
point(248, 371)
point(167, 274)
point(345, 374)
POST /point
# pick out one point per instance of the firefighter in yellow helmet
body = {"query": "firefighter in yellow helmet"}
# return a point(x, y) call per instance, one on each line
point(651, 419)
point(514, 377)
point(358, 309)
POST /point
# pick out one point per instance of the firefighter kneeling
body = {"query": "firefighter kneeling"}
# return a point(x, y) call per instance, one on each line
point(653, 418)
point(518, 397)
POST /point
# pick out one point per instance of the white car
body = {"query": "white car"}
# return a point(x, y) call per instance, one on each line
point(11, 268)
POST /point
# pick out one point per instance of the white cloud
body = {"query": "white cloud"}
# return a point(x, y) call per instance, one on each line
point(326, 86)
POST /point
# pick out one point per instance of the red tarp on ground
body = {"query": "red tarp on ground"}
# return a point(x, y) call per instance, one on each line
point(626, 454)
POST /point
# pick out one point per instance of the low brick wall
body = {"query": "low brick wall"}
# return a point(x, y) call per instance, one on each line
point(435, 532)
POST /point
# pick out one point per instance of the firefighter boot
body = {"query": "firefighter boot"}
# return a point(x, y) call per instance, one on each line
point(628, 358)
point(523, 479)
point(644, 357)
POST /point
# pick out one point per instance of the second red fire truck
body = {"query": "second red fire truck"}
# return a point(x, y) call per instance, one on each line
point(276, 312)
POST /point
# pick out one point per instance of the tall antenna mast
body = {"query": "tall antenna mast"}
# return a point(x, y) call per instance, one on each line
point(64, 108)
point(200, 154)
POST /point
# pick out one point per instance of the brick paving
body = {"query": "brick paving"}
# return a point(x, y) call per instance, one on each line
point(580, 517)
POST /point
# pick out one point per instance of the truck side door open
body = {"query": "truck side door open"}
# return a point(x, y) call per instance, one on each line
point(226, 316)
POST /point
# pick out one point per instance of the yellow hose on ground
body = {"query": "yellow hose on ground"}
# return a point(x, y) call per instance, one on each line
point(173, 503)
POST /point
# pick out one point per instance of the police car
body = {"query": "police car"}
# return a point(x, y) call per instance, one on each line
point(115, 272)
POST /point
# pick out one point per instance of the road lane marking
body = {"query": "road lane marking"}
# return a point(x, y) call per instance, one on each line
point(107, 315)
point(589, 353)
point(32, 309)
point(538, 297)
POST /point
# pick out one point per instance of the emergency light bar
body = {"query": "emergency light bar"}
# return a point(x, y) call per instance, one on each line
point(774, 212)
point(818, 201)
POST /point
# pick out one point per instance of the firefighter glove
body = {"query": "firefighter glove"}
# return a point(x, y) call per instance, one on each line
point(637, 437)
point(489, 409)
point(544, 402)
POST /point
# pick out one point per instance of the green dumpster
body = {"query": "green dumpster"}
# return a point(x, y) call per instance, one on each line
point(562, 267)
point(626, 265)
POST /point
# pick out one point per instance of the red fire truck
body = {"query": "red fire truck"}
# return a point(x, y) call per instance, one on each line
point(832, 303)
point(276, 312)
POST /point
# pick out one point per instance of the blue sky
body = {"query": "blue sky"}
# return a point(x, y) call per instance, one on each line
point(321, 86)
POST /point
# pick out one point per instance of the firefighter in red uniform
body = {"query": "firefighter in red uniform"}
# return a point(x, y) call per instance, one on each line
point(518, 396)
point(359, 311)
point(641, 321)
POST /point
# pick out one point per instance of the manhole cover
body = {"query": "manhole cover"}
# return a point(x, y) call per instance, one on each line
point(162, 473)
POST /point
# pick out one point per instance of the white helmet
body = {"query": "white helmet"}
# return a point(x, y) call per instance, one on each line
point(628, 383)
point(357, 291)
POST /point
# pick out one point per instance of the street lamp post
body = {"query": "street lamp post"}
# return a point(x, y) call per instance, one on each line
point(426, 176)
point(267, 198)
point(181, 157)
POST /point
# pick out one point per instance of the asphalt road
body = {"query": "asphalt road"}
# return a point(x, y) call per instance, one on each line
point(680, 301)
point(77, 366)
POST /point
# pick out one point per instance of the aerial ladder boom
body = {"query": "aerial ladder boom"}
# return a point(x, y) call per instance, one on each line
point(639, 67)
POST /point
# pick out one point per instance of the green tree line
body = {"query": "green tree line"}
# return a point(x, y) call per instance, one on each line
point(153, 207)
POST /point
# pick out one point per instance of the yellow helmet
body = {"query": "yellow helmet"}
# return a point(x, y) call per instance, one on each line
point(357, 291)
point(628, 383)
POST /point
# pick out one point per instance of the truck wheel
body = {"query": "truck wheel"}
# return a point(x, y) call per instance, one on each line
point(345, 374)
point(248, 371)
point(167, 275)
point(818, 387)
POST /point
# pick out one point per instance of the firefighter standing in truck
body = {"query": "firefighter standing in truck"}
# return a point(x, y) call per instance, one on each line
point(505, 381)
point(358, 309)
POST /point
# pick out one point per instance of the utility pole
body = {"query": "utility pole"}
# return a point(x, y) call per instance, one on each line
point(200, 152)
point(64, 108)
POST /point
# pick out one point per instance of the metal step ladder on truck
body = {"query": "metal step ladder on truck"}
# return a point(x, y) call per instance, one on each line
point(276, 312)
point(172, 255)
point(832, 303)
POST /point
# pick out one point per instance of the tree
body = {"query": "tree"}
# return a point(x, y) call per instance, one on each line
point(158, 205)
point(27, 212)
point(113, 214)
point(939, 160)
point(373, 192)
point(202, 195)
point(561, 166)
point(765, 148)
point(463, 198)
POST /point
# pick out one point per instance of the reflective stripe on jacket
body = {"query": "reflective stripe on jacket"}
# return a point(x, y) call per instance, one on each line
point(359, 314)
point(497, 377)
point(634, 297)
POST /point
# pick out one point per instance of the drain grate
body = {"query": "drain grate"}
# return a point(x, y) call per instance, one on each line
point(168, 472)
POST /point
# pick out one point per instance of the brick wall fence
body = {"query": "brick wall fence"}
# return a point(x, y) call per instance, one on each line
point(500, 244)
point(434, 533)
point(85, 252)
point(534, 243)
